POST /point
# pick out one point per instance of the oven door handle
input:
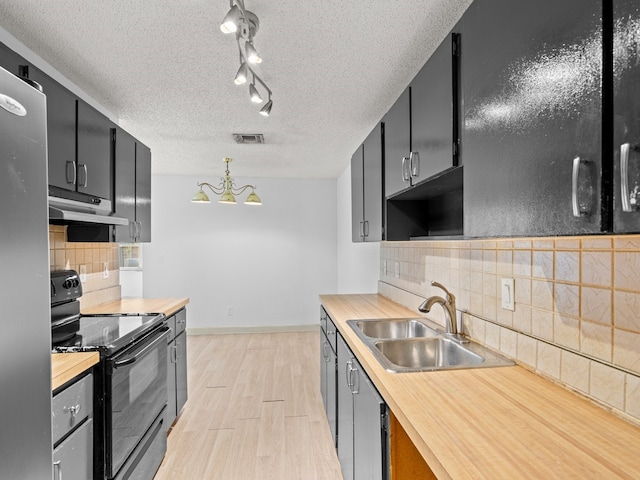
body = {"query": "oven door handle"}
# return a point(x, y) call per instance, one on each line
point(143, 352)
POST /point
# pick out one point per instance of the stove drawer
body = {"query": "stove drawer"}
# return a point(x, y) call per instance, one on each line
point(71, 406)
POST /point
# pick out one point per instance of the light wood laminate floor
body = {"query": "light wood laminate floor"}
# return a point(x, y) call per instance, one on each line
point(254, 411)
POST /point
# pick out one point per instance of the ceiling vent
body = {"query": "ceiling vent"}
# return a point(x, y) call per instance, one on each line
point(248, 138)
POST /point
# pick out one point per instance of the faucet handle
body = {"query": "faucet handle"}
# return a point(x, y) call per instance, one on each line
point(450, 295)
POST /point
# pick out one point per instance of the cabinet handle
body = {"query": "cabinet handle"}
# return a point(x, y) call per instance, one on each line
point(86, 175)
point(325, 355)
point(414, 164)
point(366, 228)
point(174, 354)
point(138, 229)
point(355, 386)
point(405, 171)
point(629, 200)
point(361, 229)
point(74, 173)
point(348, 373)
point(132, 234)
point(57, 470)
point(575, 175)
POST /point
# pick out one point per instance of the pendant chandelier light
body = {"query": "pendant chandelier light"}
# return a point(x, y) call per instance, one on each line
point(245, 25)
point(227, 190)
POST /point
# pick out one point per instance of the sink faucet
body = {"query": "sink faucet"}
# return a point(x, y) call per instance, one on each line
point(448, 304)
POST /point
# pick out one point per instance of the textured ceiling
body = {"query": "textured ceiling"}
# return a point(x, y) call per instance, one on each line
point(166, 72)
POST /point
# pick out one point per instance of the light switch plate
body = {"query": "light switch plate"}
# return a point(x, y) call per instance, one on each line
point(507, 292)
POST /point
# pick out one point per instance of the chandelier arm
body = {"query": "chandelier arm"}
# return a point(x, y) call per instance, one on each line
point(213, 188)
point(239, 190)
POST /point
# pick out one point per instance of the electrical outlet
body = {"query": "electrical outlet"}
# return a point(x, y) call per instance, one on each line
point(507, 292)
point(384, 267)
point(396, 269)
point(105, 271)
point(229, 311)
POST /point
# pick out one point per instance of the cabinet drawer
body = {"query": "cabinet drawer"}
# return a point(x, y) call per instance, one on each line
point(73, 458)
point(181, 321)
point(171, 323)
point(71, 406)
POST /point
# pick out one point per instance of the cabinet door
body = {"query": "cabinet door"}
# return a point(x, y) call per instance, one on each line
point(125, 184)
point(357, 196)
point(345, 410)
point(9, 60)
point(531, 80)
point(171, 412)
point(143, 192)
point(73, 458)
point(331, 406)
point(373, 197)
point(61, 131)
point(397, 145)
point(432, 115)
point(369, 444)
point(181, 371)
point(626, 72)
point(95, 165)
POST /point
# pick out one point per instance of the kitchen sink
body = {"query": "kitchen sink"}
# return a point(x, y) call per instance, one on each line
point(431, 353)
point(419, 345)
point(394, 328)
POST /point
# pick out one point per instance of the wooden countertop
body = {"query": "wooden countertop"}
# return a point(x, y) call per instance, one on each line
point(139, 305)
point(66, 366)
point(493, 423)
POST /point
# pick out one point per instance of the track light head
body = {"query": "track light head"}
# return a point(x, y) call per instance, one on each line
point(231, 20)
point(252, 53)
point(254, 94)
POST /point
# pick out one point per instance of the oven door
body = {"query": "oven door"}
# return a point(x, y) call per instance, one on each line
point(136, 386)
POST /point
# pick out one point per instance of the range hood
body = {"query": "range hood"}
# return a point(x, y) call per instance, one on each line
point(93, 211)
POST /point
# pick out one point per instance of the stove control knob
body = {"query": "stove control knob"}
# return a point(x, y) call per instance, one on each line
point(75, 282)
point(67, 283)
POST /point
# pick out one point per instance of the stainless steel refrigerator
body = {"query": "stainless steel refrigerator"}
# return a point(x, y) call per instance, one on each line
point(25, 333)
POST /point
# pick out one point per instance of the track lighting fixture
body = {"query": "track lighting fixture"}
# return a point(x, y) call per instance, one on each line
point(245, 25)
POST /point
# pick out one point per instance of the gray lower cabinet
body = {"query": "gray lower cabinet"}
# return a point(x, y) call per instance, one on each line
point(328, 370)
point(72, 427)
point(363, 440)
point(176, 366)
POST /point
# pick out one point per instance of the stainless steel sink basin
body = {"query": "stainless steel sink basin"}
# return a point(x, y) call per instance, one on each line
point(419, 345)
point(431, 353)
point(394, 328)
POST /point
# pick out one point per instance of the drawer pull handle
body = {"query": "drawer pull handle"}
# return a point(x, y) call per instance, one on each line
point(57, 470)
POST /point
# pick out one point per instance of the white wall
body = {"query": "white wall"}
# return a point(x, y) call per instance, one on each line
point(358, 263)
point(267, 263)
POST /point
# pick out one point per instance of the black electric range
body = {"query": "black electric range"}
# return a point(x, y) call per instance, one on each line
point(130, 381)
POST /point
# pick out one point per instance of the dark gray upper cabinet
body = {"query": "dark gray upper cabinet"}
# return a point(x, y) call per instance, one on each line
point(143, 192)
point(125, 185)
point(132, 188)
point(94, 160)
point(626, 82)
point(357, 195)
point(532, 86)
point(434, 122)
point(61, 131)
point(366, 189)
point(9, 60)
point(397, 145)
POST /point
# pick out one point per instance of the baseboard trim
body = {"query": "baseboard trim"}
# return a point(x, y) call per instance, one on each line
point(255, 329)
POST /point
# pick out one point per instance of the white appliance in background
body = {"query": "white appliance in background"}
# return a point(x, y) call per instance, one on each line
point(130, 270)
point(25, 345)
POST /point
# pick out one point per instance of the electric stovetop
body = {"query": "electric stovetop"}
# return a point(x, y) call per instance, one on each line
point(108, 333)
